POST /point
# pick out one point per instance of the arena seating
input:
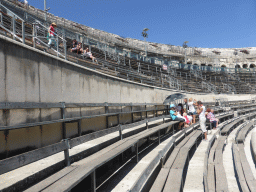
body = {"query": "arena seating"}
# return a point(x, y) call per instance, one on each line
point(166, 170)
point(215, 178)
point(137, 70)
point(244, 173)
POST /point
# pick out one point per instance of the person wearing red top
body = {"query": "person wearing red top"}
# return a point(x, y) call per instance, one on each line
point(51, 32)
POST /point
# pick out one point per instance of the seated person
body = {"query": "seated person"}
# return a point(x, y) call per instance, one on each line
point(188, 119)
point(74, 46)
point(180, 108)
point(88, 54)
point(79, 48)
point(212, 118)
point(174, 117)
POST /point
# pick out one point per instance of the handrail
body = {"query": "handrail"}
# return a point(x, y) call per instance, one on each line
point(38, 22)
point(11, 12)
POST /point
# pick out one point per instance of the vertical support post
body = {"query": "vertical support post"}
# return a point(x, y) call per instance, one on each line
point(33, 36)
point(137, 152)
point(106, 111)
point(66, 152)
point(159, 140)
point(147, 124)
point(118, 119)
point(120, 132)
point(65, 48)
point(13, 27)
point(132, 113)
point(79, 127)
point(64, 134)
point(57, 45)
point(23, 32)
point(93, 181)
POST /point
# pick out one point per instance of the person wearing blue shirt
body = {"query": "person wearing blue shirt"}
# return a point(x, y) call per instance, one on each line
point(174, 117)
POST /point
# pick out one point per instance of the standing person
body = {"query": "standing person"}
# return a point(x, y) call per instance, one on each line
point(185, 106)
point(202, 119)
point(26, 4)
point(192, 110)
point(51, 32)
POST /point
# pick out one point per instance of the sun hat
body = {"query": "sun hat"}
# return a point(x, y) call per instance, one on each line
point(54, 24)
point(172, 105)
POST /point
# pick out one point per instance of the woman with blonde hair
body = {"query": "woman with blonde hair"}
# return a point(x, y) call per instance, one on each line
point(191, 109)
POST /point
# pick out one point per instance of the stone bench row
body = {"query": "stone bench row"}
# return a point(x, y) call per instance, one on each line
point(243, 171)
point(214, 172)
point(170, 177)
point(72, 175)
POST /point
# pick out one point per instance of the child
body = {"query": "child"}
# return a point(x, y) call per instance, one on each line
point(188, 119)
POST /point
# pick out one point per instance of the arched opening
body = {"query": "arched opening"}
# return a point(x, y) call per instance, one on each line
point(252, 66)
point(237, 66)
point(223, 66)
point(210, 65)
point(203, 64)
point(195, 66)
point(245, 66)
point(189, 63)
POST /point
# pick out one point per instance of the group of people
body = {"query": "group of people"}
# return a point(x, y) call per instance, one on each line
point(186, 115)
point(77, 48)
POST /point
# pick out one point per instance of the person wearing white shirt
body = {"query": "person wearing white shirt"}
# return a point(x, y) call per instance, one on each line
point(202, 119)
point(26, 4)
point(192, 110)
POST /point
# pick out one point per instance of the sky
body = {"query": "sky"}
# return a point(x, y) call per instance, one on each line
point(203, 23)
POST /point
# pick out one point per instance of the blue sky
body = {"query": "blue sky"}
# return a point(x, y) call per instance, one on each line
point(204, 23)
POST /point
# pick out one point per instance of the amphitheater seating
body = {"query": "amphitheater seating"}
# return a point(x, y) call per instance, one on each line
point(174, 182)
point(70, 176)
point(140, 71)
point(170, 177)
point(246, 179)
point(214, 175)
point(226, 130)
point(243, 170)
point(243, 132)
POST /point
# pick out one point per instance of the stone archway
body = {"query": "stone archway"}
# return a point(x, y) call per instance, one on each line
point(252, 66)
point(237, 66)
point(223, 66)
point(245, 66)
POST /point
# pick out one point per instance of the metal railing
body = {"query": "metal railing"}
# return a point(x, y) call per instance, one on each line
point(39, 31)
point(175, 83)
point(15, 29)
point(38, 34)
point(210, 87)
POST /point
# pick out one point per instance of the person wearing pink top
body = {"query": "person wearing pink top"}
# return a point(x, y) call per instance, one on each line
point(212, 118)
point(51, 32)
